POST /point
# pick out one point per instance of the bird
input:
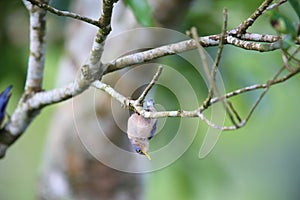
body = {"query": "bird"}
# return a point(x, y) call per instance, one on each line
point(140, 130)
point(4, 98)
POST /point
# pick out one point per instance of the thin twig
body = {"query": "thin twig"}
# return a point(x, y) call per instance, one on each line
point(286, 61)
point(262, 94)
point(150, 85)
point(221, 45)
point(268, 84)
point(202, 54)
point(255, 87)
point(217, 60)
point(234, 111)
point(112, 92)
point(208, 75)
point(275, 5)
point(292, 56)
point(248, 22)
point(212, 86)
point(65, 13)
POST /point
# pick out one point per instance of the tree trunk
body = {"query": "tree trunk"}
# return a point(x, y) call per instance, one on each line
point(71, 169)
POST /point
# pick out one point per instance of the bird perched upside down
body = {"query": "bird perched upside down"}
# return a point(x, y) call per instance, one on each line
point(140, 130)
point(4, 98)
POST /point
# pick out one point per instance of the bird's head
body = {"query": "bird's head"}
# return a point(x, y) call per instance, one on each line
point(141, 147)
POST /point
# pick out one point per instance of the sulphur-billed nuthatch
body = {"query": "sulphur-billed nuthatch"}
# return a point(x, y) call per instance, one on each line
point(140, 130)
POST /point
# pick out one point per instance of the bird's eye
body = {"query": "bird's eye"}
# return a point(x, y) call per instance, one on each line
point(139, 151)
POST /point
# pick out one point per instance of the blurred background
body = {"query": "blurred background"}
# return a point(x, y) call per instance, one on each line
point(259, 161)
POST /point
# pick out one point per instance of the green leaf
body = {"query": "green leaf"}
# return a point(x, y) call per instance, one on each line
point(142, 11)
point(296, 6)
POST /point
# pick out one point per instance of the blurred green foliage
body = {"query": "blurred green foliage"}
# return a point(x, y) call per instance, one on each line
point(142, 11)
point(296, 6)
point(260, 161)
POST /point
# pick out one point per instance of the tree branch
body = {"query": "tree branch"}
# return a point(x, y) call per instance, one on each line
point(55, 11)
point(248, 22)
point(275, 5)
point(92, 72)
point(261, 47)
point(31, 104)
point(36, 60)
point(95, 68)
point(206, 41)
point(213, 73)
point(151, 84)
point(255, 87)
point(135, 105)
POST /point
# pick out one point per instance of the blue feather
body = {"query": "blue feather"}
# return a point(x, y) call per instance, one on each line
point(4, 98)
point(152, 131)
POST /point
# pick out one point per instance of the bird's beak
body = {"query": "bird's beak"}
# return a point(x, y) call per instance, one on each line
point(147, 155)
